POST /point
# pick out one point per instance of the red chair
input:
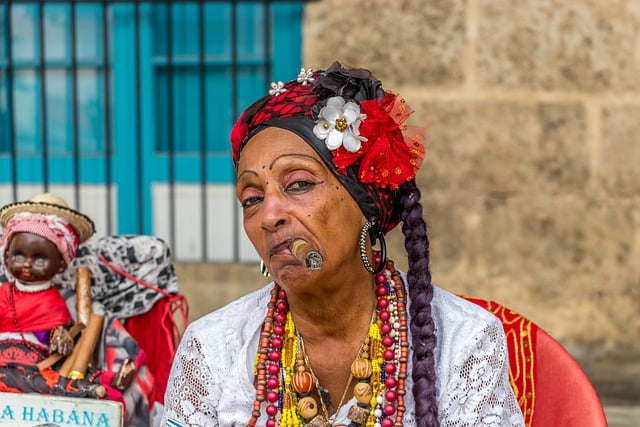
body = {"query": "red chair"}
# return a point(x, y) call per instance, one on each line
point(551, 388)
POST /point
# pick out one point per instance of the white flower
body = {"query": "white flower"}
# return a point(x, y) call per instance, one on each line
point(338, 124)
point(277, 88)
point(305, 76)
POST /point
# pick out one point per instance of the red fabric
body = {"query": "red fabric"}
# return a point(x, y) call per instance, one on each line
point(35, 311)
point(157, 333)
point(15, 351)
point(564, 394)
point(550, 386)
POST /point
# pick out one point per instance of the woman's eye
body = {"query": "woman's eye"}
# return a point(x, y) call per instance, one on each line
point(300, 185)
point(251, 201)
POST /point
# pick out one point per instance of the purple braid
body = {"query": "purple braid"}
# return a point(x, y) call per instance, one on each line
point(420, 290)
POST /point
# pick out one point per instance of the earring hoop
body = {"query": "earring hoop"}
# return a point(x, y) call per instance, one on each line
point(363, 249)
point(263, 269)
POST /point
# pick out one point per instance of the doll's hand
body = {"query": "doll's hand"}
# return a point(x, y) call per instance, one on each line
point(125, 375)
point(61, 341)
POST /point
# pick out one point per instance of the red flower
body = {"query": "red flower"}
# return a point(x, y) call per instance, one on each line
point(393, 151)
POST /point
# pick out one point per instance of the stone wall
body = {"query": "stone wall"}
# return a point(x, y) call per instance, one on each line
point(531, 184)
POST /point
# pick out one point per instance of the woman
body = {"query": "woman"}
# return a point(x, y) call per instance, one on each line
point(325, 168)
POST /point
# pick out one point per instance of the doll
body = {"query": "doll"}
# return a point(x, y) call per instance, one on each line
point(39, 240)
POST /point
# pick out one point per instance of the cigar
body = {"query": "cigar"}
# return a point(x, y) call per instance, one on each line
point(83, 294)
point(307, 254)
point(78, 361)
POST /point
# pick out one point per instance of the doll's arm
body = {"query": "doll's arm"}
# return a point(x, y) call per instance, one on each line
point(61, 341)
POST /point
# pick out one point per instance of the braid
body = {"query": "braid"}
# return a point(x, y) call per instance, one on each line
point(420, 293)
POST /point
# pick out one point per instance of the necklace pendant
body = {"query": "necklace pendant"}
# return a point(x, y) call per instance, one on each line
point(319, 421)
point(358, 414)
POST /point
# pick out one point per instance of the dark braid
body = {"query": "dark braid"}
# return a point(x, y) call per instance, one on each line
point(420, 289)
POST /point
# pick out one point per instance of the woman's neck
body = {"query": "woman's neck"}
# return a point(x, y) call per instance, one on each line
point(342, 313)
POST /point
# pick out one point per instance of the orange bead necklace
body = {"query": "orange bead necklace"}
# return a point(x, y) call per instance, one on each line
point(285, 380)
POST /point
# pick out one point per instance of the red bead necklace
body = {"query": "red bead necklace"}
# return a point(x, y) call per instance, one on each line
point(283, 382)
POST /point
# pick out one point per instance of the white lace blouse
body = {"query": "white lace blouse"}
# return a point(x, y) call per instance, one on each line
point(211, 381)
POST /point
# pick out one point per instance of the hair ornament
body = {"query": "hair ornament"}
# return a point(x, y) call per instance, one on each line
point(391, 151)
point(277, 88)
point(338, 124)
point(305, 76)
point(356, 127)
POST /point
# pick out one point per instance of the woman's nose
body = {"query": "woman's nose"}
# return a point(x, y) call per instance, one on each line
point(275, 211)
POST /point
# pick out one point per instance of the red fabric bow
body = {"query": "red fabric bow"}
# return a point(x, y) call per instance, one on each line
point(393, 151)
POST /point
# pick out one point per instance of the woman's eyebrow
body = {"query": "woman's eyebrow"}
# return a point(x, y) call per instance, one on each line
point(308, 156)
point(247, 171)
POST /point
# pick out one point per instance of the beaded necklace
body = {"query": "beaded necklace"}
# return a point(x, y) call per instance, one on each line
point(286, 385)
point(16, 322)
point(304, 364)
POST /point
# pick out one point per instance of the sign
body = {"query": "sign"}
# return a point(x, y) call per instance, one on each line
point(36, 410)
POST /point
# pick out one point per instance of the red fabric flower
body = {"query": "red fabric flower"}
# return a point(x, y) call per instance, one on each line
point(393, 151)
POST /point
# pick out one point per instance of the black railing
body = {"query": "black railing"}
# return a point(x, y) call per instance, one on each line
point(41, 161)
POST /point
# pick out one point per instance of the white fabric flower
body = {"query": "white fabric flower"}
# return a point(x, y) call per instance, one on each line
point(305, 76)
point(277, 88)
point(338, 124)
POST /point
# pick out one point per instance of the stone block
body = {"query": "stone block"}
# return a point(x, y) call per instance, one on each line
point(400, 41)
point(589, 45)
point(620, 151)
point(504, 147)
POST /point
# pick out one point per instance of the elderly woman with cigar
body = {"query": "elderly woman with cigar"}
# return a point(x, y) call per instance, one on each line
point(325, 169)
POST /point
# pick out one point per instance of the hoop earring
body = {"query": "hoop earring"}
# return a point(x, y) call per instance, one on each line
point(363, 249)
point(263, 269)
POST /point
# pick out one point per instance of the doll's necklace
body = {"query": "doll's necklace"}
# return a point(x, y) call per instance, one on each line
point(16, 323)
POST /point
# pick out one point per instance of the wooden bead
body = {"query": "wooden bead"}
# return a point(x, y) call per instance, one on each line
point(363, 392)
point(307, 407)
point(361, 368)
point(319, 421)
point(358, 415)
point(302, 382)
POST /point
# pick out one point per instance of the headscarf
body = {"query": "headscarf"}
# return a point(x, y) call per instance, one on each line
point(49, 227)
point(354, 125)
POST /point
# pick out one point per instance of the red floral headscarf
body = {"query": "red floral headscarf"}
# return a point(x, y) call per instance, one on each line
point(375, 153)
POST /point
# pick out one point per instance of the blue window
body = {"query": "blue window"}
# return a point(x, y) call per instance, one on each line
point(120, 106)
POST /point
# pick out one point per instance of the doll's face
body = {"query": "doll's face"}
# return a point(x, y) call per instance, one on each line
point(31, 258)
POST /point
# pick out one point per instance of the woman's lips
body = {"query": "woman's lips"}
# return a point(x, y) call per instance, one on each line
point(280, 248)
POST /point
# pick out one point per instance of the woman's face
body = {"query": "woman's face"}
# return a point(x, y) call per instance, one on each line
point(31, 258)
point(287, 192)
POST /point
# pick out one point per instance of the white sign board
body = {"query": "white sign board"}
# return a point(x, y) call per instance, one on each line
point(36, 410)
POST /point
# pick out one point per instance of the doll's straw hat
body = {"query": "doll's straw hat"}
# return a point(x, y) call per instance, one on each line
point(50, 204)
